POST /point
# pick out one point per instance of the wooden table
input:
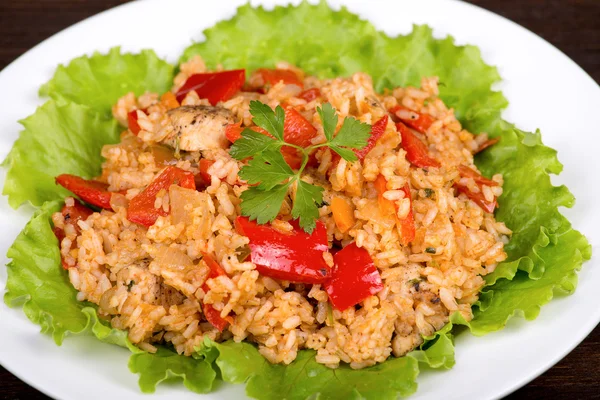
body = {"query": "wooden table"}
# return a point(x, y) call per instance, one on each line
point(571, 25)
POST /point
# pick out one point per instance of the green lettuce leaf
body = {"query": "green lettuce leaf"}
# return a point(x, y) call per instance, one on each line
point(98, 81)
point(335, 44)
point(60, 137)
point(305, 378)
point(37, 282)
point(197, 374)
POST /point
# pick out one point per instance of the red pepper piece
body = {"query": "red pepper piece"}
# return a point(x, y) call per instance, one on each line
point(467, 172)
point(141, 207)
point(420, 124)
point(416, 151)
point(406, 225)
point(274, 76)
point(132, 122)
point(486, 144)
point(478, 199)
point(299, 131)
point(203, 178)
point(92, 192)
point(295, 257)
point(214, 316)
point(354, 277)
point(214, 86)
point(233, 132)
point(377, 131)
point(310, 94)
point(72, 215)
point(296, 130)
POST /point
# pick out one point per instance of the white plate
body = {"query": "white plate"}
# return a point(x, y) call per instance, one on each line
point(546, 90)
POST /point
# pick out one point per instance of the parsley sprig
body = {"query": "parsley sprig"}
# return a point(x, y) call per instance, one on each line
point(269, 174)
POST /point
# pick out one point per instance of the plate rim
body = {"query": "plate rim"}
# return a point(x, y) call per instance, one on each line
point(589, 326)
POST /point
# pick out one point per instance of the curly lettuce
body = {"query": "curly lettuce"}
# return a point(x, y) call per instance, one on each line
point(66, 134)
point(99, 80)
point(60, 137)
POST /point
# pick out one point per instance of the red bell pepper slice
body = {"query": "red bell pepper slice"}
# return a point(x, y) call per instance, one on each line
point(310, 94)
point(479, 199)
point(132, 122)
point(72, 215)
point(233, 132)
point(214, 316)
point(92, 192)
point(214, 86)
point(296, 130)
point(486, 144)
point(377, 131)
point(203, 178)
point(406, 225)
point(416, 151)
point(420, 124)
point(354, 277)
point(467, 172)
point(299, 131)
point(296, 257)
point(141, 207)
point(274, 76)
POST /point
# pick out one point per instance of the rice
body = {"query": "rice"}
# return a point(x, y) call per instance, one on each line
point(154, 282)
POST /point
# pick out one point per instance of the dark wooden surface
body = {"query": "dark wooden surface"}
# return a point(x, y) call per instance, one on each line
point(571, 25)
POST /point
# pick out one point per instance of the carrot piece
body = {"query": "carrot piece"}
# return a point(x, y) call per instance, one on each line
point(406, 226)
point(343, 214)
point(169, 100)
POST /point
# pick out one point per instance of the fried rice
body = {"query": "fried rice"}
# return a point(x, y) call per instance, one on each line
point(153, 281)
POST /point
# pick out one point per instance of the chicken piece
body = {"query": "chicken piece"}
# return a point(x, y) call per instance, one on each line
point(195, 128)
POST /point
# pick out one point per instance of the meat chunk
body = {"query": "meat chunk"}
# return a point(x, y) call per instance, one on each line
point(195, 128)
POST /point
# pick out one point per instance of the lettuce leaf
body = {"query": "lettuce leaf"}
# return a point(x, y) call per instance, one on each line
point(37, 282)
point(98, 81)
point(304, 377)
point(197, 374)
point(60, 137)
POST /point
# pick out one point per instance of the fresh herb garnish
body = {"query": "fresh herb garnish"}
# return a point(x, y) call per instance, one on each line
point(271, 176)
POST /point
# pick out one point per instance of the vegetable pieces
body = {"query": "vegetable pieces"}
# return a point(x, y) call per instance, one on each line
point(417, 121)
point(72, 215)
point(416, 151)
point(377, 131)
point(272, 176)
point(214, 316)
point(142, 208)
point(295, 257)
point(354, 277)
point(270, 77)
point(213, 86)
point(92, 192)
point(343, 213)
point(477, 197)
point(132, 122)
point(406, 225)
